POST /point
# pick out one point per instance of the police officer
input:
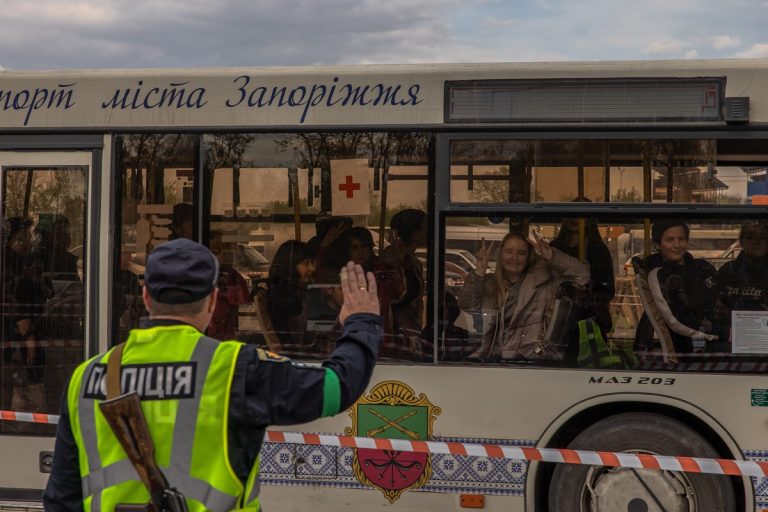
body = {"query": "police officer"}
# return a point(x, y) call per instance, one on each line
point(207, 402)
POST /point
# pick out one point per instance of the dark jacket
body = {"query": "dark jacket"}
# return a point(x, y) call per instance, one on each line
point(742, 284)
point(265, 391)
point(690, 290)
point(600, 266)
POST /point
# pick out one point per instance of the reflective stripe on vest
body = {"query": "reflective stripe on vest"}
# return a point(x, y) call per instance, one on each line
point(182, 440)
point(593, 351)
point(252, 488)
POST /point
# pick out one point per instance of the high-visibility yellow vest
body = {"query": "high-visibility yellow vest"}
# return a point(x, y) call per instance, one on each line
point(184, 380)
point(595, 352)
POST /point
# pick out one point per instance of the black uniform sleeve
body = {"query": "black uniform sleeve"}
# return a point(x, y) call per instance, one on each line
point(268, 389)
point(64, 491)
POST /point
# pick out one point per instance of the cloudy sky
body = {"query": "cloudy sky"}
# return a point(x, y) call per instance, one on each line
point(66, 34)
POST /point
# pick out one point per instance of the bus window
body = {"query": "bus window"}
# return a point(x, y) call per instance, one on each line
point(288, 210)
point(684, 305)
point(556, 171)
point(156, 176)
point(43, 305)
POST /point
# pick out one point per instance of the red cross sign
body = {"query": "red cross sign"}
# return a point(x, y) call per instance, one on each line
point(349, 187)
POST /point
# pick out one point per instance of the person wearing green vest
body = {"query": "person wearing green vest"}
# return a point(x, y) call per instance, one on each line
point(207, 402)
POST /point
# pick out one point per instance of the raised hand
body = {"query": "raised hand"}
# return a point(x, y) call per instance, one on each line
point(359, 296)
point(333, 234)
point(544, 249)
point(483, 256)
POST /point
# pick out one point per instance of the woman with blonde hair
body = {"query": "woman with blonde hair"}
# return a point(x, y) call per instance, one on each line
point(519, 296)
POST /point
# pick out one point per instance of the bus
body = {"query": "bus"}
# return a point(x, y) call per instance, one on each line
point(97, 168)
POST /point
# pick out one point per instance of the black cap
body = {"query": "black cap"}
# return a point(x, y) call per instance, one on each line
point(180, 271)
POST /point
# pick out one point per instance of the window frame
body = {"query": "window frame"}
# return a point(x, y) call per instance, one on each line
point(445, 207)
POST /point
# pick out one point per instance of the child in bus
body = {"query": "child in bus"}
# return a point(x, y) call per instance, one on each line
point(742, 283)
point(687, 288)
point(519, 295)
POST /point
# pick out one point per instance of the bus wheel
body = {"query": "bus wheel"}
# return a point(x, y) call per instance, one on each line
point(581, 488)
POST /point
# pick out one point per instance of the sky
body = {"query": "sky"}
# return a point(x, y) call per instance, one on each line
point(100, 34)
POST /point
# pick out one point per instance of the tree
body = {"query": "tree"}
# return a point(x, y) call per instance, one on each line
point(627, 196)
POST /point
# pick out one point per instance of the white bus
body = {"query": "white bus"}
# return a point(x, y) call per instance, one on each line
point(94, 164)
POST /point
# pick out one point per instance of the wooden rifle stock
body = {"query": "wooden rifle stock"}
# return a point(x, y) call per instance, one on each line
point(127, 421)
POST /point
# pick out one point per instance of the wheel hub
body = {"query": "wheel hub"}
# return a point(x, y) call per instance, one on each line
point(637, 490)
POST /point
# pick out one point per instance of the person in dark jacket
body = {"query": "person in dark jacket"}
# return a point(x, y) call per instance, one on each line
point(602, 286)
point(593, 301)
point(260, 389)
point(409, 229)
point(743, 283)
point(291, 271)
point(688, 285)
point(388, 279)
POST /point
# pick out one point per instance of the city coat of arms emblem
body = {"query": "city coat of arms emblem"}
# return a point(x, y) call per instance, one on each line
point(392, 411)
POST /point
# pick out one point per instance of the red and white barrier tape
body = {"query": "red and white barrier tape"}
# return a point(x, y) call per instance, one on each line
point(29, 417)
point(556, 455)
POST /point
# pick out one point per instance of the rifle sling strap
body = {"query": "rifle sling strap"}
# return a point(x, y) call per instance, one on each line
point(114, 369)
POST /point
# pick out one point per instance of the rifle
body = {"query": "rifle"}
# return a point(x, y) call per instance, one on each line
point(126, 419)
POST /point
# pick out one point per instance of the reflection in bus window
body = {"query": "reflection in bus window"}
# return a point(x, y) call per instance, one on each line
point(43, 307)
point(334, 193)
point(624, 171)
point(156, 174)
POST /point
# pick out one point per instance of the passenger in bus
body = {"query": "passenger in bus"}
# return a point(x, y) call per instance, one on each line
point(743, 282)
point(182, 221)
point(454, 343)
point(16, 249)
point(289, 274)
point(18, 243)
point(233, 292)
point(409, 231)
point(594, 302)
point(330, 240)
point(388, 280)
point(687, 289)
point(519, 296)
point(27, 290)
point(602, 286)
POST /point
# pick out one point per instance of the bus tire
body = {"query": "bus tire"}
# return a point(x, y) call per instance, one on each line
point(621, 488)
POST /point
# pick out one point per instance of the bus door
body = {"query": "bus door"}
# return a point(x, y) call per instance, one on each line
point(43, 200)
